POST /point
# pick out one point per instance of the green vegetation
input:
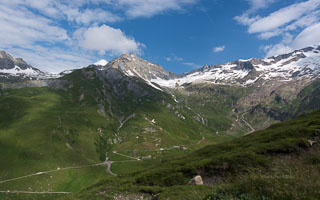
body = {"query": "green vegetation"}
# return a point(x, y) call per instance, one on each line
point(77, 123)
point(156, 144)
point(276, 163)
point(214, 106)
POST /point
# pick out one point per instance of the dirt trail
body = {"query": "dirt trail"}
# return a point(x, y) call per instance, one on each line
point(122, 122)
point(50, 171)
point(108, 164)
point(29, 192)
point(125, 155)
point(247, 123)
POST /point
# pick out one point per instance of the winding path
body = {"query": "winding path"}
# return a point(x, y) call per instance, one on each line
point(50, 171)
point(29, 192)
point(247, 123)
point(108, 164)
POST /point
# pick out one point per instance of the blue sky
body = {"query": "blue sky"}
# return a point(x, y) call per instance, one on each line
point(180, 35)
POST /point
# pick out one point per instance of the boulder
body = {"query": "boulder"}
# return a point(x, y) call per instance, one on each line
point(197, 180)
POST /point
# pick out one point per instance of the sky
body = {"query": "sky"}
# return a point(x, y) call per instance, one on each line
point(180, 35)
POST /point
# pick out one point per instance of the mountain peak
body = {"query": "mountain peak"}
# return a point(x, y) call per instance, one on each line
point(132, 65)
point(5, 55)
point(17, 67)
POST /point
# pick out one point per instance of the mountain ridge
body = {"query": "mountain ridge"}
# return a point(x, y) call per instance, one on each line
point(299, 63)
point(97, 114)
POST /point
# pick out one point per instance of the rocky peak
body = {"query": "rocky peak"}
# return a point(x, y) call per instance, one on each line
point(5, 55)
point(6, 60)
point(17, 67)
point(22, 64)
point(132, 65)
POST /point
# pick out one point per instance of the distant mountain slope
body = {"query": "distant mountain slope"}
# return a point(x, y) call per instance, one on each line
point(237, 97)
point(300, 64)
point(117, 112)
point(16, 69)
point(79, 120)
point(281, 162)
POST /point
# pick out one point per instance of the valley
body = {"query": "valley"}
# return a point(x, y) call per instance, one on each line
point(131, 127)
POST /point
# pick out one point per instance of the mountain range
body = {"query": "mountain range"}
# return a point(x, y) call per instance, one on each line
point(131, 115)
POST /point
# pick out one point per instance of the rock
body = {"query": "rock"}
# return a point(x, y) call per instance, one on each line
point(312, 142)
point(197, 180)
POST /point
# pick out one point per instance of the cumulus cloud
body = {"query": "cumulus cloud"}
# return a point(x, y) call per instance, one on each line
point(76, 27)
point(106, 38)
point(219, 49)
point(297, 26)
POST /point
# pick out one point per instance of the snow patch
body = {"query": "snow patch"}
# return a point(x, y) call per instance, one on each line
point(16, 71)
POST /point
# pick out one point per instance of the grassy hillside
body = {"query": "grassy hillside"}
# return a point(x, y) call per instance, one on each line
point(281, 162)
point(56, 138)
point(79, 122)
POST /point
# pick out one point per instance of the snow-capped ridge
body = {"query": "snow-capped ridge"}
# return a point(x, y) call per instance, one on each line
point(16, 71)
point(297, 64)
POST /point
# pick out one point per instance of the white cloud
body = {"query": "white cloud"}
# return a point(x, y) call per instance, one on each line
point(297, 26)
point(283, 16)
point(259, 4)
point(24, 28)
point(76, 27)
point(255, 5)
point(219, 49)
point(52, 59)
point(88, 16)
point(308, 36)
point(245, 19)
point(173, 58)
point(278, 49)
point(106, 39)
point(193, 65)
point(148, 8)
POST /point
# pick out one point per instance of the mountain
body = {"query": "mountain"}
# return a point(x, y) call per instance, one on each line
point(130, 115)
point(133, 66)
point(62, 130)
point(258, 91)
point(303, 63)
point(16, 69)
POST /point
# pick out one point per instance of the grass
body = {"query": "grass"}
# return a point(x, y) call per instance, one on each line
point(44, 137)
point(77, 124)
point(276, 163)
point(44, 129)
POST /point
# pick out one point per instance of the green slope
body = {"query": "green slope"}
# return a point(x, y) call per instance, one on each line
point(276, 163)
point(76, 122)
point(89, 114)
